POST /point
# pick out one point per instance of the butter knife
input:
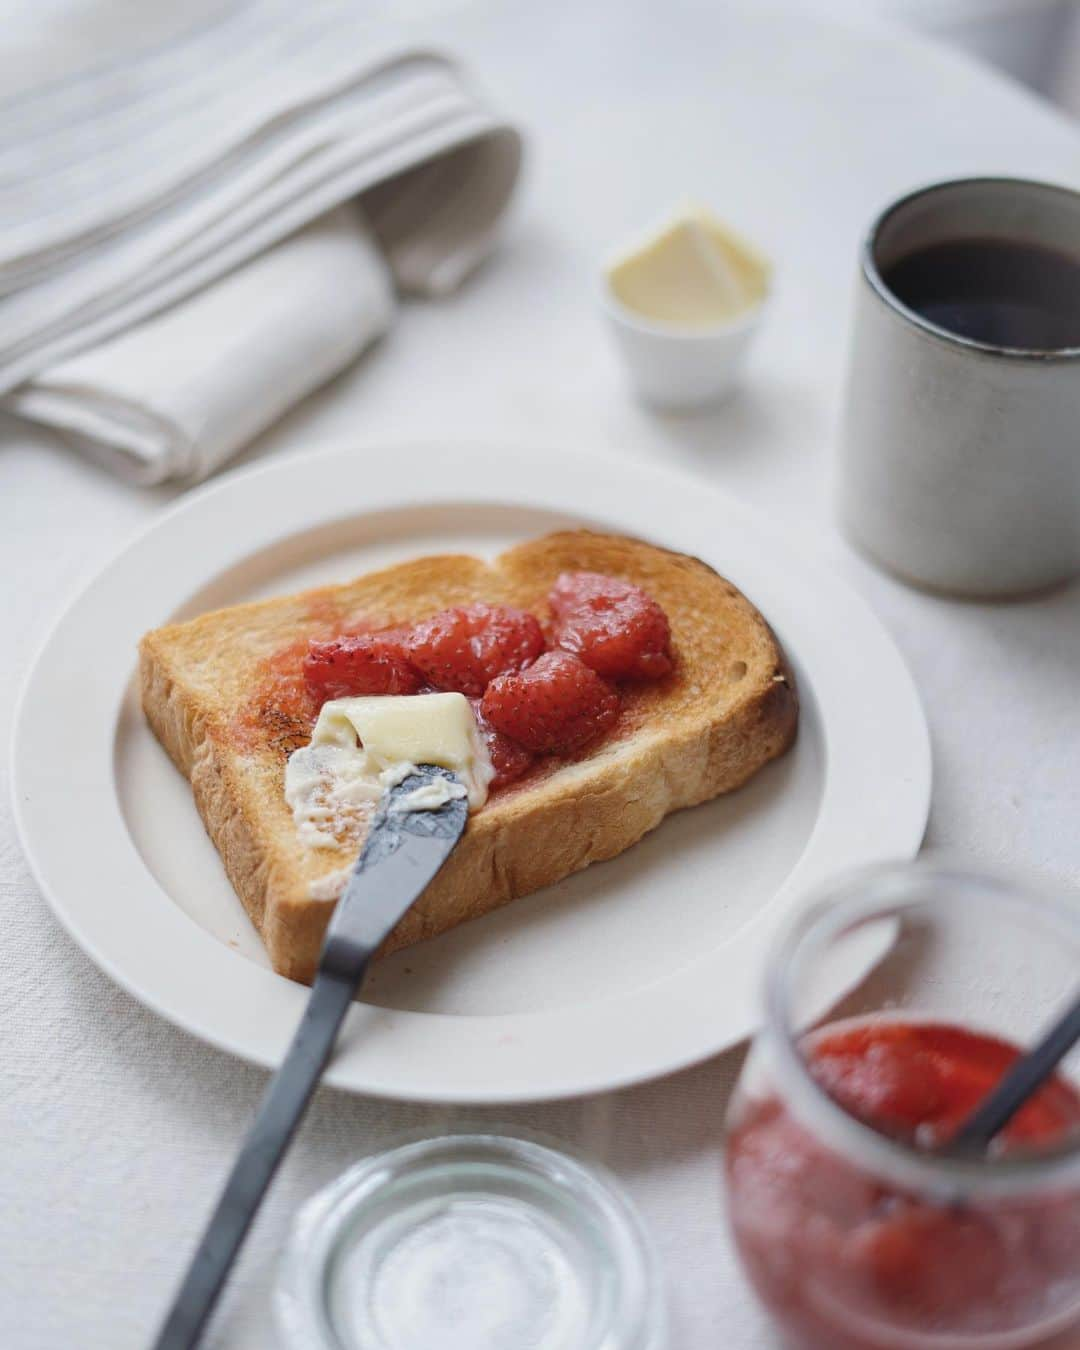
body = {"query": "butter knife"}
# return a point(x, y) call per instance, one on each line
point(402, 853)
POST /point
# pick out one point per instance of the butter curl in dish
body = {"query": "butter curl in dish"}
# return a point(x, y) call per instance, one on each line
point(683, 303)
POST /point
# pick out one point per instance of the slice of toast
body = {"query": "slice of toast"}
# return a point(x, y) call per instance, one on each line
point(225, 696)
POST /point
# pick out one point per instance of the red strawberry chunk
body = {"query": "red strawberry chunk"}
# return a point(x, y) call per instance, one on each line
point(464, 649)
point(615, 628)
point(555, 706)
point(508, 759)
point(373, 663)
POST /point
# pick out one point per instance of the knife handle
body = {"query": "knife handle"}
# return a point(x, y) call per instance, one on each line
point(279, 1114)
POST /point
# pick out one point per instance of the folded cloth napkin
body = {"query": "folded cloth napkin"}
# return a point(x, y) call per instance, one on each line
point(160, 300)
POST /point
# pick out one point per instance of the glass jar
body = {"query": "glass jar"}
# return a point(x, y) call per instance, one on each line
point(470, 1242)
point(856, 1230)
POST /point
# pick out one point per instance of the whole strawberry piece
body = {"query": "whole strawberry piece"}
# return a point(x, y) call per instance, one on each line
point(371, 663)
point(615, 628)
point(508, 759)
point(464, 649)
point(555, 707)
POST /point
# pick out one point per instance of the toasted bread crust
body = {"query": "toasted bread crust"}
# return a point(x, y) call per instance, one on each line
point(729, 708)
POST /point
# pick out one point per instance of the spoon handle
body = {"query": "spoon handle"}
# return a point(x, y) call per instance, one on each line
point(1023, 1080)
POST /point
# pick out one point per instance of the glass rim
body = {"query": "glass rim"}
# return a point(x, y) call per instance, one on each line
point(322, 1223)
point(888, 297)
point(883, 891)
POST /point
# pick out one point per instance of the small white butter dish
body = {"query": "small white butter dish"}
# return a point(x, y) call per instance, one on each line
point(683, 303)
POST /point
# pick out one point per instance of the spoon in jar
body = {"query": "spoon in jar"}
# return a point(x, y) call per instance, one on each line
point(1017, 1087)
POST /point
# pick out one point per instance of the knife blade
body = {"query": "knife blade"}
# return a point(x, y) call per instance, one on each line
point(403, 851)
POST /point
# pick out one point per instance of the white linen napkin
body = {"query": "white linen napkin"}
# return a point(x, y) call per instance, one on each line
point(156, 300)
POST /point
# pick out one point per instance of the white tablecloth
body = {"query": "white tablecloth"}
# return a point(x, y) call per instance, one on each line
point(115, 1128)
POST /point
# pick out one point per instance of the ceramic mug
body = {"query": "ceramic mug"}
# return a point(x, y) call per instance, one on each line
point(959, 460)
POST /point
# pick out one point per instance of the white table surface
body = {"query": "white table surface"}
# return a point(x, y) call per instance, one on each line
point(115, 1128)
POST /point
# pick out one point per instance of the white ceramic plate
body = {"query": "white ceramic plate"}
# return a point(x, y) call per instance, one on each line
point(634, 967)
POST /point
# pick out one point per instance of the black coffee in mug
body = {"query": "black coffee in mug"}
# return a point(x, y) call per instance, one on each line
point(1004, 292)
point(957, 465)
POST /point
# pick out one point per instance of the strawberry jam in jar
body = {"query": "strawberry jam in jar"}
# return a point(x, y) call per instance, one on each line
point(857, 1228)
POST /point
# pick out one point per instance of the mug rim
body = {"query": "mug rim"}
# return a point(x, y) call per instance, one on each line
point(872, 275)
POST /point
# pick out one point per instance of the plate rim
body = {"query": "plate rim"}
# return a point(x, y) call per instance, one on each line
point(518, 476)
